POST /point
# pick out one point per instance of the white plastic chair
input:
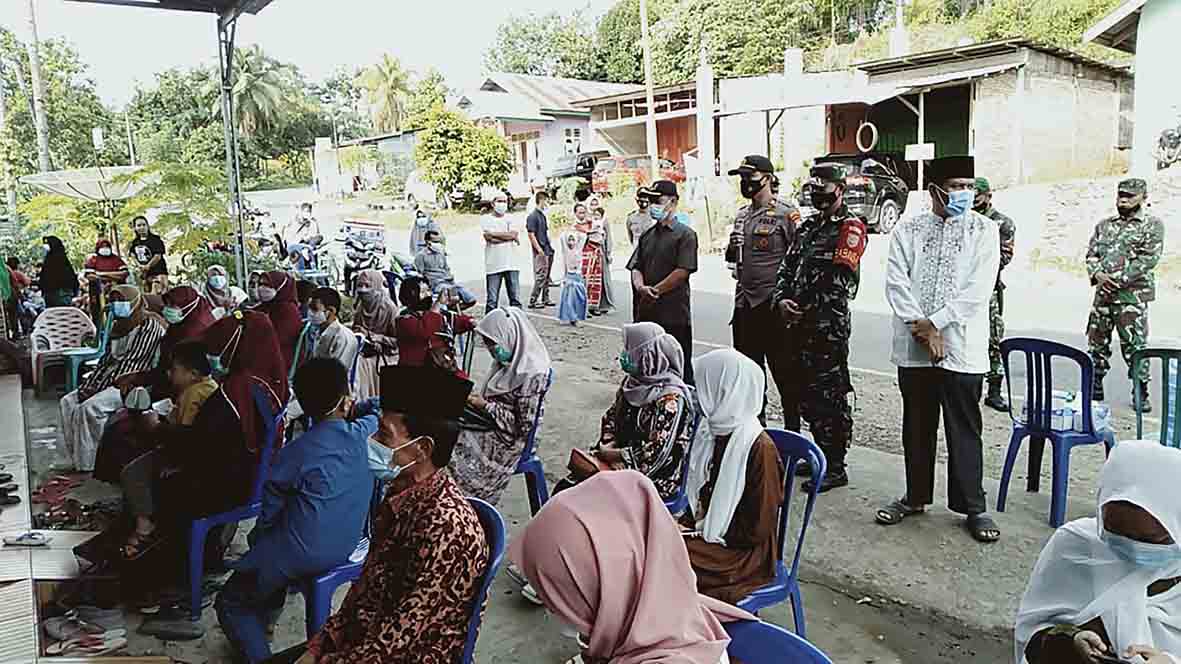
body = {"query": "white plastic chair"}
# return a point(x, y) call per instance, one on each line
point(55, 332)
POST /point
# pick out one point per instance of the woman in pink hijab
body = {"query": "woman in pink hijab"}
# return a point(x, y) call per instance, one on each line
point(647, 610)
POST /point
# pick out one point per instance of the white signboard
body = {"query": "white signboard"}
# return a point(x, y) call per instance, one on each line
point(920, 151)
point(96, 137)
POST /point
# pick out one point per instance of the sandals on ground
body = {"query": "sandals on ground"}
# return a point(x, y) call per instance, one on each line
point(982, 528)
point(895, 512)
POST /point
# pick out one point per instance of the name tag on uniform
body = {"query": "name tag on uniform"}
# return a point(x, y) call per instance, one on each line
point(763, 233)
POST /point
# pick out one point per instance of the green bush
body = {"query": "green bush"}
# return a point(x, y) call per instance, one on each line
point(454, 153)
point(621, 184)
point(569, 188)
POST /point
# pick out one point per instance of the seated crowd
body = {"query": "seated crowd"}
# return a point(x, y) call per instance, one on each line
point(397, 439)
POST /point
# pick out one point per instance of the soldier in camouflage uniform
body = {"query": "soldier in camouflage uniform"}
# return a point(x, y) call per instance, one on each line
point(1121, 261)
point(996, 306)
point(764, 232)
point(818, 278)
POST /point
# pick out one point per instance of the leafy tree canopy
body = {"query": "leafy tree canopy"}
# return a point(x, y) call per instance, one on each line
point(454, 153)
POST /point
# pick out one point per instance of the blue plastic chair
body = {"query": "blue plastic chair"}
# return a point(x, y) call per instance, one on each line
point(1170, 412)
point(76, 357)
point(494, 532)
point(199, 528)
point(530, 463)
point(1039, 390)
point(680, 502)
point(793, 448)
point(754, 642)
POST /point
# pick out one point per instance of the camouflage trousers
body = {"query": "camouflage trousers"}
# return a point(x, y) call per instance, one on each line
point(1130, 321)
point(824, 394)
point(996, 332)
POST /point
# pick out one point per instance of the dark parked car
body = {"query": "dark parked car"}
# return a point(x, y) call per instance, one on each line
point(580, 165)
point(875, 189)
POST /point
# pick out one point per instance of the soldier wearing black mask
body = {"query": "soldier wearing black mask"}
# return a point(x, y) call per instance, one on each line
point(817, 280)
point(764, 232)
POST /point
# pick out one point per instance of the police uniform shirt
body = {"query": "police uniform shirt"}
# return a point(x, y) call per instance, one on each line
point(769, 232)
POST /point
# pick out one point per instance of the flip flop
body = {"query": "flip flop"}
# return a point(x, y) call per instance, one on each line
point(895, 512)
point(8, 488)
point(6, 500)
point(982, 528)
point(97, 644)
point(28, 539)
point(5, 477)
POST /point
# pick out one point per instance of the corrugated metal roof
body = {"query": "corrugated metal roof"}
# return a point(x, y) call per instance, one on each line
point(501, 105)
point(550, 93)
point(1119, 28)
point(981, 50)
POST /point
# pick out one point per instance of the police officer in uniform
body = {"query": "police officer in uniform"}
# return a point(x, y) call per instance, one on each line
point(1121, 262)
point(817, 279)
point(763, 233)
point(996, 306)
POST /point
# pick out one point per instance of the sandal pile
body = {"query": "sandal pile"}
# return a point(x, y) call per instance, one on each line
point(86, 630)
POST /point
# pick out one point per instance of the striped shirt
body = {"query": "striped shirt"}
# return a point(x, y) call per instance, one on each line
point(136, 352)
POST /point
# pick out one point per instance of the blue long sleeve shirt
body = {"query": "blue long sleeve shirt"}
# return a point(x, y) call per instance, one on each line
point(316, 502)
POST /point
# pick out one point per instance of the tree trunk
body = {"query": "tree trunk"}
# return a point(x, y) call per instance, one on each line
point(5, 167)
point(39, 117)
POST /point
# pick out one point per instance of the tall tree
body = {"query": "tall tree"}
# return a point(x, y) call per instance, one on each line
point(429, 92)
point(342, 98)
point(261, 85)
point(40, 116)
point(387, 86)
point(5, 163)
point(550, 44)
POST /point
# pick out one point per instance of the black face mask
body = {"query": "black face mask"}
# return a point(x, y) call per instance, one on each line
point(822, 200)
point(750, 187)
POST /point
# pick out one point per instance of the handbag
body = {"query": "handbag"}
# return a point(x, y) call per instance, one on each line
point(583, 464)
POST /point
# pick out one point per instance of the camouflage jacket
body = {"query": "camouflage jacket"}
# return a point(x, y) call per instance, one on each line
point(1008, 231)
point(822, 271)
point(1128, 250)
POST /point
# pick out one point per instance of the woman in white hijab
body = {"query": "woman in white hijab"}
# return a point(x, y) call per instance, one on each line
point(1108, 588)
point(484, 459)
point(735, 483)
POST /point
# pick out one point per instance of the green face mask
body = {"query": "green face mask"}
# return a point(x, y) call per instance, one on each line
point(627, 364)
point(502, 354)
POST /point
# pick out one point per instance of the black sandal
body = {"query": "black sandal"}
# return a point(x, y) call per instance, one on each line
point(982, 528)
point(895, 512)
point(6, 500)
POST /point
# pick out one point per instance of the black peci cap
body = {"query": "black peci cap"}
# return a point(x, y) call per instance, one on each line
point(658, 189)
point(949, 168)
point(426, 391)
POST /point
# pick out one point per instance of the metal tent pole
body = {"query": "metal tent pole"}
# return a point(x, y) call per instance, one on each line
point(225, 61)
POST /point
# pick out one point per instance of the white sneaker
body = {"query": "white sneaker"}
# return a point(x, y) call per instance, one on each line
point(516, 574)
point(530, 594)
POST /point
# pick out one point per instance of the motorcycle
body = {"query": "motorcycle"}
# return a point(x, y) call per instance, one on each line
point(313, 260)
point(360, 254)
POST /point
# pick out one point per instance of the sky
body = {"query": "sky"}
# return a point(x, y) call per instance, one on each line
point(124, 45)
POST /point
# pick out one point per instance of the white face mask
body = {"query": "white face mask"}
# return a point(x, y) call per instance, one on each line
point(317, 317)
point(266, 293)
point(217, 281)
point(105, 251)
point(436, 246)
point(500, 207)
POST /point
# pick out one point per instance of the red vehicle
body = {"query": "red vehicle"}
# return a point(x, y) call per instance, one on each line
point(639, 166)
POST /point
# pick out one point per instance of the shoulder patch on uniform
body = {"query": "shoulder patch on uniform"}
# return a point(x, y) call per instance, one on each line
point(851, 243)
point(794, 216)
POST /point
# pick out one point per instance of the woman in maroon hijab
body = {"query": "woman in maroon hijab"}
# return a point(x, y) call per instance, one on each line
point(276, 294)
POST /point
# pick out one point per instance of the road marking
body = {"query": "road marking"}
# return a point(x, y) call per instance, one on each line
point(707, 344)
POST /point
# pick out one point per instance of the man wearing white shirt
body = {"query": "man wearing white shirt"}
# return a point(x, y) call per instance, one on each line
point(501, 239)
point(939, 278)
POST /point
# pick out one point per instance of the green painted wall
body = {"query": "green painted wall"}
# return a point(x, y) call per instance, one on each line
point(947, 111)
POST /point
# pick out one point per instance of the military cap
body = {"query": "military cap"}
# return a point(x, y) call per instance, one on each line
point(949, 168)
point(426, 391)
point(657, 189)
point(830, 172)
point(983, 186)
point(1133, 186)
point(754, 164)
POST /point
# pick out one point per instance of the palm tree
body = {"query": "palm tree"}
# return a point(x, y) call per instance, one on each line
point(261, 87)
point(387, 86)
point(40, 119)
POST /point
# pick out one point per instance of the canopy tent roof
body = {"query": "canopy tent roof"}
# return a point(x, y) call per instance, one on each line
point(206, 6)
point(1118, 29)
point(90, 184)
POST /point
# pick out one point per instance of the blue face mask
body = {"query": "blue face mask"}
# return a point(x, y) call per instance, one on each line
point(381, 460)
point(215, 366)
point(627, 364)
point(959, 202)
point(656, 212)
point(1143, 554)
point(121, 309)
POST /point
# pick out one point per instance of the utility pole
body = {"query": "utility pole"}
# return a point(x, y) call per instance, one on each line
point(40, 120)
point(130, 143)
point(650, 123)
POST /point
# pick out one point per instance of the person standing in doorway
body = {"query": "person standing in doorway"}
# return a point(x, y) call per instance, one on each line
point(996, 306)
point(639, 220)
point(1121, 262)
point(940, 274)
point(537, 225)
point(501, 237)
point(148, 250)
point(818, 278)
point(764, 232)
point(664, 257)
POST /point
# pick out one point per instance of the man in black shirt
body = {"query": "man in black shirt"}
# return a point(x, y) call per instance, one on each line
point(148, 251)
point(537, 225)
point(664, 257)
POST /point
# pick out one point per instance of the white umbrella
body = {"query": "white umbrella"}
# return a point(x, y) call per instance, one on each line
point(90, 184)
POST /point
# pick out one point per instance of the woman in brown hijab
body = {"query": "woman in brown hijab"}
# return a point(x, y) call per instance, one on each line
point(375, 317)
